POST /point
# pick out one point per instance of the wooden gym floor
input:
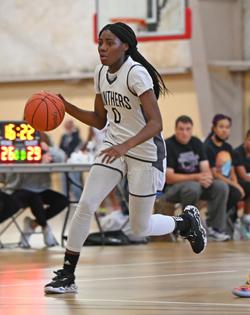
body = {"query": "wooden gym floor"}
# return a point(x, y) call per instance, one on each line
point(156, 279)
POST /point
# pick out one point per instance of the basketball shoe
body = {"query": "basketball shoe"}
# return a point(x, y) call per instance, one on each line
point(243, 290)
point(196, 234)
point(63, 282)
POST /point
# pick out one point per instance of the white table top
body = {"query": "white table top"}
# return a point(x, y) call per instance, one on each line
point(44, 168)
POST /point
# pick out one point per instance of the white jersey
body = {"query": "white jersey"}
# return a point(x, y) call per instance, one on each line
point(120, 93)
point(99, 136)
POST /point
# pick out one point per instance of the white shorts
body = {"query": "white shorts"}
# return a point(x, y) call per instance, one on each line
point(144, 179)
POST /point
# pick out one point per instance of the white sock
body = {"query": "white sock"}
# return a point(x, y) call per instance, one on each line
point(161, 224)
point(145, 223)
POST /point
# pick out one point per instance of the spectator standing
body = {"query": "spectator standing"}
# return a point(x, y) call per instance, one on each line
point(70, 140)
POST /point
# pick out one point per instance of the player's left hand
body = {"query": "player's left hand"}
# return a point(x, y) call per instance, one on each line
point(113, 153)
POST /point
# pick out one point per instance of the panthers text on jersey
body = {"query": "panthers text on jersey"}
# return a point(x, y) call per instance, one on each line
point(120, 93)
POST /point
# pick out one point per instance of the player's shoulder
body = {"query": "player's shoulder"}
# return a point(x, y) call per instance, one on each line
point(99, 68)
point(137, 72)
point(134, 66)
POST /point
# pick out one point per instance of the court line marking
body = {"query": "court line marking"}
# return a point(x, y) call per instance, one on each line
point(89, 266)
point(125, 301)
point(31, 282)
point(158, 276)
point(163, 302)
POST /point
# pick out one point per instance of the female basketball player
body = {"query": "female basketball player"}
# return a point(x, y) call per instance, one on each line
point(127, 87)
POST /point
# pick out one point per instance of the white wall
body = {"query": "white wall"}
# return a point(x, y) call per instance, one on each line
point(55, 37)
point(246, 29)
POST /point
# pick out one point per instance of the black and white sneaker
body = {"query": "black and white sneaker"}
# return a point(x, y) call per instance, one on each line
point(63, 282)
point(196, 235)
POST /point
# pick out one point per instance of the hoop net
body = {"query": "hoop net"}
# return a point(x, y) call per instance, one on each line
point(135, 23)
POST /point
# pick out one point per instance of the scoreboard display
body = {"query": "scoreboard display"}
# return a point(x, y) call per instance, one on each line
point(19, 143)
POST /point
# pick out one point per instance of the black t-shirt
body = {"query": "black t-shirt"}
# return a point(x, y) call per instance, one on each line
point(241, 159)
point(220, 157)
point(185, 158)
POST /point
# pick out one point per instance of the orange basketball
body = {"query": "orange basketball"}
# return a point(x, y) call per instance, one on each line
point(44, 111)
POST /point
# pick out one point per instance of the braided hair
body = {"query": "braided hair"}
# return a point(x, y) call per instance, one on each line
point(127, 35)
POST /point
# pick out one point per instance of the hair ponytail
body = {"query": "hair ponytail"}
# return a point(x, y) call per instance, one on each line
point(159, 85)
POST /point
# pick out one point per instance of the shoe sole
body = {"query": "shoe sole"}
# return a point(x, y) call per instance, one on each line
point(239, 293)
point(201, 229)
point(61, 290)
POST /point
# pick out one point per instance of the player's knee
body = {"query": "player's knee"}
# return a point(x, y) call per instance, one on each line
point(85, 206)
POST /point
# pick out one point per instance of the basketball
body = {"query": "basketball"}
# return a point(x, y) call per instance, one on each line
point(44, 111)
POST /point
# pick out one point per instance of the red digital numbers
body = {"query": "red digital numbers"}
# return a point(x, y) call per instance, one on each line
point(12, 154)
point(19, 143)
point(7, 153)
point(34, 153)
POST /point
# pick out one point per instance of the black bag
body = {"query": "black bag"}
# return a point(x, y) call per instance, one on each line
point(112, 238)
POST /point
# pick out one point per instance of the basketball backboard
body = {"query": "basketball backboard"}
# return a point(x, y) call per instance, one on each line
point(150, 19)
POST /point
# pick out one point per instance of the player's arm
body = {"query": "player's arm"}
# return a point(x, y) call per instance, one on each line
point(154, 120)
point(96, 118)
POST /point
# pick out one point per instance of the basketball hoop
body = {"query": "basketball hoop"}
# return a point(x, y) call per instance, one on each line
point(135, 23)
point(150, 20)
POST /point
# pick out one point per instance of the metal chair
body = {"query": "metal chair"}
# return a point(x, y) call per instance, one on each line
point(12, 220)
